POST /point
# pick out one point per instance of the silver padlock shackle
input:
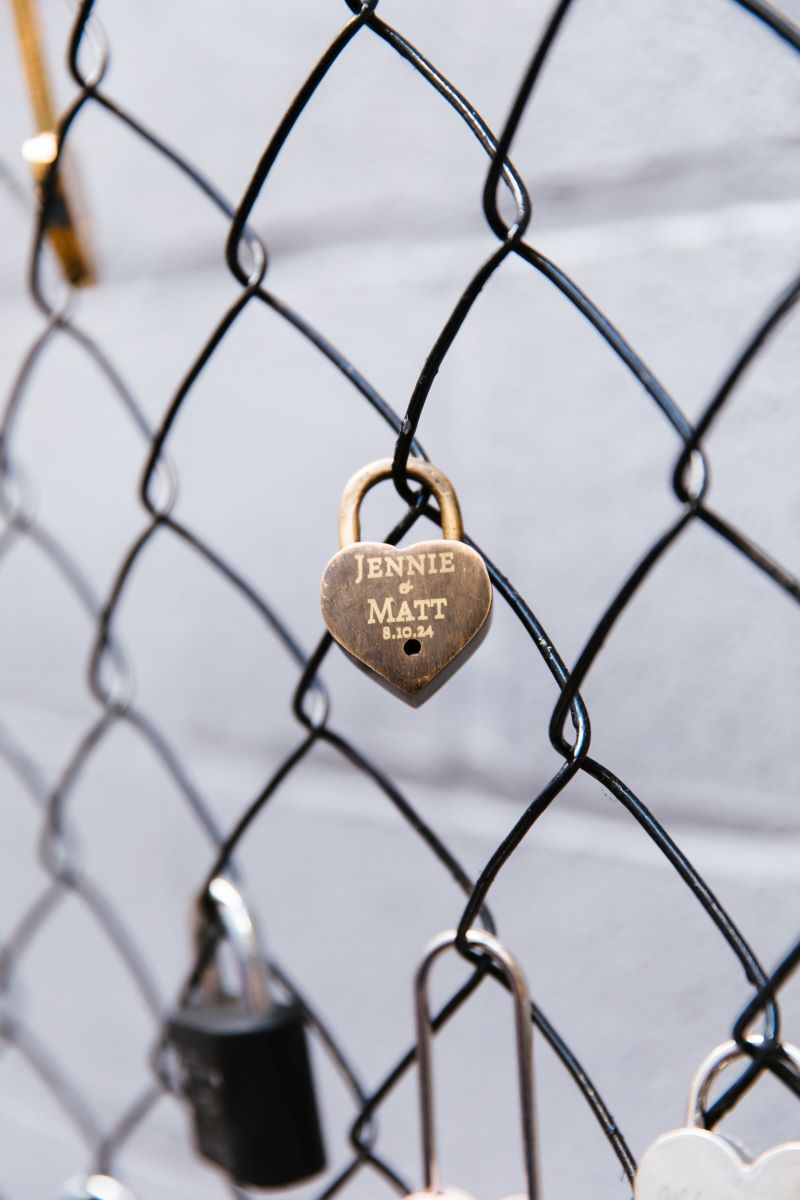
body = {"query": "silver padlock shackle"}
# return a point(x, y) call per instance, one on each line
point(715, 1063)
point(240, 931)
point(524, 1040)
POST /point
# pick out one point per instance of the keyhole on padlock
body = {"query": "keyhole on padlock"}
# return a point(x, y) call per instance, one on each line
point(412, 646)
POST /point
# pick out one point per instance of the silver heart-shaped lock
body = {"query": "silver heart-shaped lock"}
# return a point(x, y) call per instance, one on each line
point(696, 1164)
point(511, 969)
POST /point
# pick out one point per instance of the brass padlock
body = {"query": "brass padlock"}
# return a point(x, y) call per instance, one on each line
point(409, 617)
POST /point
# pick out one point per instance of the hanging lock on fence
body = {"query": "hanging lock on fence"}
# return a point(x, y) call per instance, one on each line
point(696, 1164)
point(409, 617)
point(95, 1187)
point(513, 973)
point(245, 1065)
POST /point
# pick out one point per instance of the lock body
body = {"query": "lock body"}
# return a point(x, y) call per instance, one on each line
point(698, 1163)
point(703, 1165)
point(445, 1194)
point(409, 617)
point(248, 1079)
point(95, 1187)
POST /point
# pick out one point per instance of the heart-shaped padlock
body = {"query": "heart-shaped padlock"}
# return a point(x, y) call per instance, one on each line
point(695, 1164)
point(409, 617)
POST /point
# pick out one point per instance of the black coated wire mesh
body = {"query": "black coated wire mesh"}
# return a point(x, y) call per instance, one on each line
point(108, 672)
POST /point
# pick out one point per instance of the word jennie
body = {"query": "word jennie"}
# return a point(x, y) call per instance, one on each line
point(417, 610)
point(408, 564)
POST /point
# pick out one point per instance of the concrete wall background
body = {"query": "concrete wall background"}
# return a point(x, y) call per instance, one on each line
point(662, 156)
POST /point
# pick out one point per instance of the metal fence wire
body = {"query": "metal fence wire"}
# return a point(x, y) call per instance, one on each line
point(108, 671)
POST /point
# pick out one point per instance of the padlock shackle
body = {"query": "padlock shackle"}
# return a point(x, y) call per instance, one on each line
point(240, 931)
point(518, 984)
point(715, 1064)
point(417, 468)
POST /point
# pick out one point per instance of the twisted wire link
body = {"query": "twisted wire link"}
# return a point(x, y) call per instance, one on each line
point(110, 679)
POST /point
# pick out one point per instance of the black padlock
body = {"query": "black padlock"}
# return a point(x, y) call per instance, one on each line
point(245, 1067)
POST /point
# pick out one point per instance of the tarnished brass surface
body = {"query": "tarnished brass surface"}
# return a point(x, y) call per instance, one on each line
point(409, 617)
point(63, 227)
point(424, 472)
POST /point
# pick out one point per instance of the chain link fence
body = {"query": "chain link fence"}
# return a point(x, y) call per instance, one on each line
point(61, 826)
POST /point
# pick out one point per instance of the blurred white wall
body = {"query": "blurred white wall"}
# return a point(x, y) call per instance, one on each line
point(661, 152)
